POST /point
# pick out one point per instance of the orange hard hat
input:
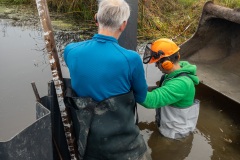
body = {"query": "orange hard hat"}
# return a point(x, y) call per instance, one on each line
point(164, 48)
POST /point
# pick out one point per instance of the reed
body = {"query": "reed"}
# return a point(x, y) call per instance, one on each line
point(230, 3)
point(15, 1)
point(171, 19)
point(176, 19)
point(80, 9)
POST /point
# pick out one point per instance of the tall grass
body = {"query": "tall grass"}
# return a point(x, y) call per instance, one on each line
point(80, 9)
point(176, 19)
point(172, 19)
point(15, 1)
point(187, 3)
point(230, 3)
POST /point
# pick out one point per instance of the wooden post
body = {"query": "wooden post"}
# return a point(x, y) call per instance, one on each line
point(38, 99)
point(57, 75)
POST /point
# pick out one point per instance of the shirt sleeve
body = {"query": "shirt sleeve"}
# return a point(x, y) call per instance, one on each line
point(139, 83)
point(168, 94)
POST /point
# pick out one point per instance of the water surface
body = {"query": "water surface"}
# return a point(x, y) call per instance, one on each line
point(23, 60)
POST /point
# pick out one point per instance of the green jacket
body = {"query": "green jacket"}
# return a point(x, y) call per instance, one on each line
point(178, 91)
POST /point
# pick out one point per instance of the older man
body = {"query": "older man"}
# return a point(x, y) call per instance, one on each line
point(113, 78)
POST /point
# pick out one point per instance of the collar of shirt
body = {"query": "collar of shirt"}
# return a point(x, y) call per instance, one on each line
point(103, 38)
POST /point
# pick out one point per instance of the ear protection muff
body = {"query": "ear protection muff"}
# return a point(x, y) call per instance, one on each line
point(167, 64)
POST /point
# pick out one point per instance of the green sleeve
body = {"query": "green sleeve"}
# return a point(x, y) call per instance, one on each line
point(170, 93)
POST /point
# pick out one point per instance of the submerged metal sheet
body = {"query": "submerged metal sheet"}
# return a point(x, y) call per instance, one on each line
point(215, 49)
point(34, 142)
point(60, 148)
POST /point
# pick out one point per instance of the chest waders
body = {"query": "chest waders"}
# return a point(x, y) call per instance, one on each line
point(106, 130)
point(176, 122)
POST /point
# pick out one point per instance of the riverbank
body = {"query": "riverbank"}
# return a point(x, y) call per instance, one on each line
point(65, 29)
point(176, 23)
point(24, 15)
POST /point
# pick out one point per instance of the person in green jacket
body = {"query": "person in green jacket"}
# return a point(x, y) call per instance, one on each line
point(177, 109)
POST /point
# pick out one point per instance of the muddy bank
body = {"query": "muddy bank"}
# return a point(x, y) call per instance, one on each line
point(65, 29)
point(20, 14)
point(26, 15)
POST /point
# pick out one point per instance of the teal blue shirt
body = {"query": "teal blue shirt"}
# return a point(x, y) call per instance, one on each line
point(100, 68)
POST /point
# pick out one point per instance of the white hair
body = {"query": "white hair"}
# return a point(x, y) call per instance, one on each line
point(112, 13)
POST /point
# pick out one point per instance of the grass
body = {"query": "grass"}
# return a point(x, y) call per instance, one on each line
point(175, 19)
point(172, 19)
point(15, 1)
point(230, 3)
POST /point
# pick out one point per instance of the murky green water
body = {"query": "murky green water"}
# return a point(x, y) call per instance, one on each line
point(22, 61)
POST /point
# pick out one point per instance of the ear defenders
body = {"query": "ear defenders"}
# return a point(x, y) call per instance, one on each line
point(166, 62)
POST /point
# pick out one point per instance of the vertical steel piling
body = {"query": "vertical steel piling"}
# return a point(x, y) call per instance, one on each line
point(57, 75)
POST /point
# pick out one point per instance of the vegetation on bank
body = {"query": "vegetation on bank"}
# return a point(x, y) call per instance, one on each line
point(176, 19)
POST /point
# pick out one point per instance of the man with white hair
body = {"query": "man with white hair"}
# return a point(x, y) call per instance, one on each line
point(108, 81)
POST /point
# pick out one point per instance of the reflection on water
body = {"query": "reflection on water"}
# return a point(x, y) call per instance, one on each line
point(22, 61)
point(201, 147)
point(20, 50)
point(194, 147)
point(217, 135)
